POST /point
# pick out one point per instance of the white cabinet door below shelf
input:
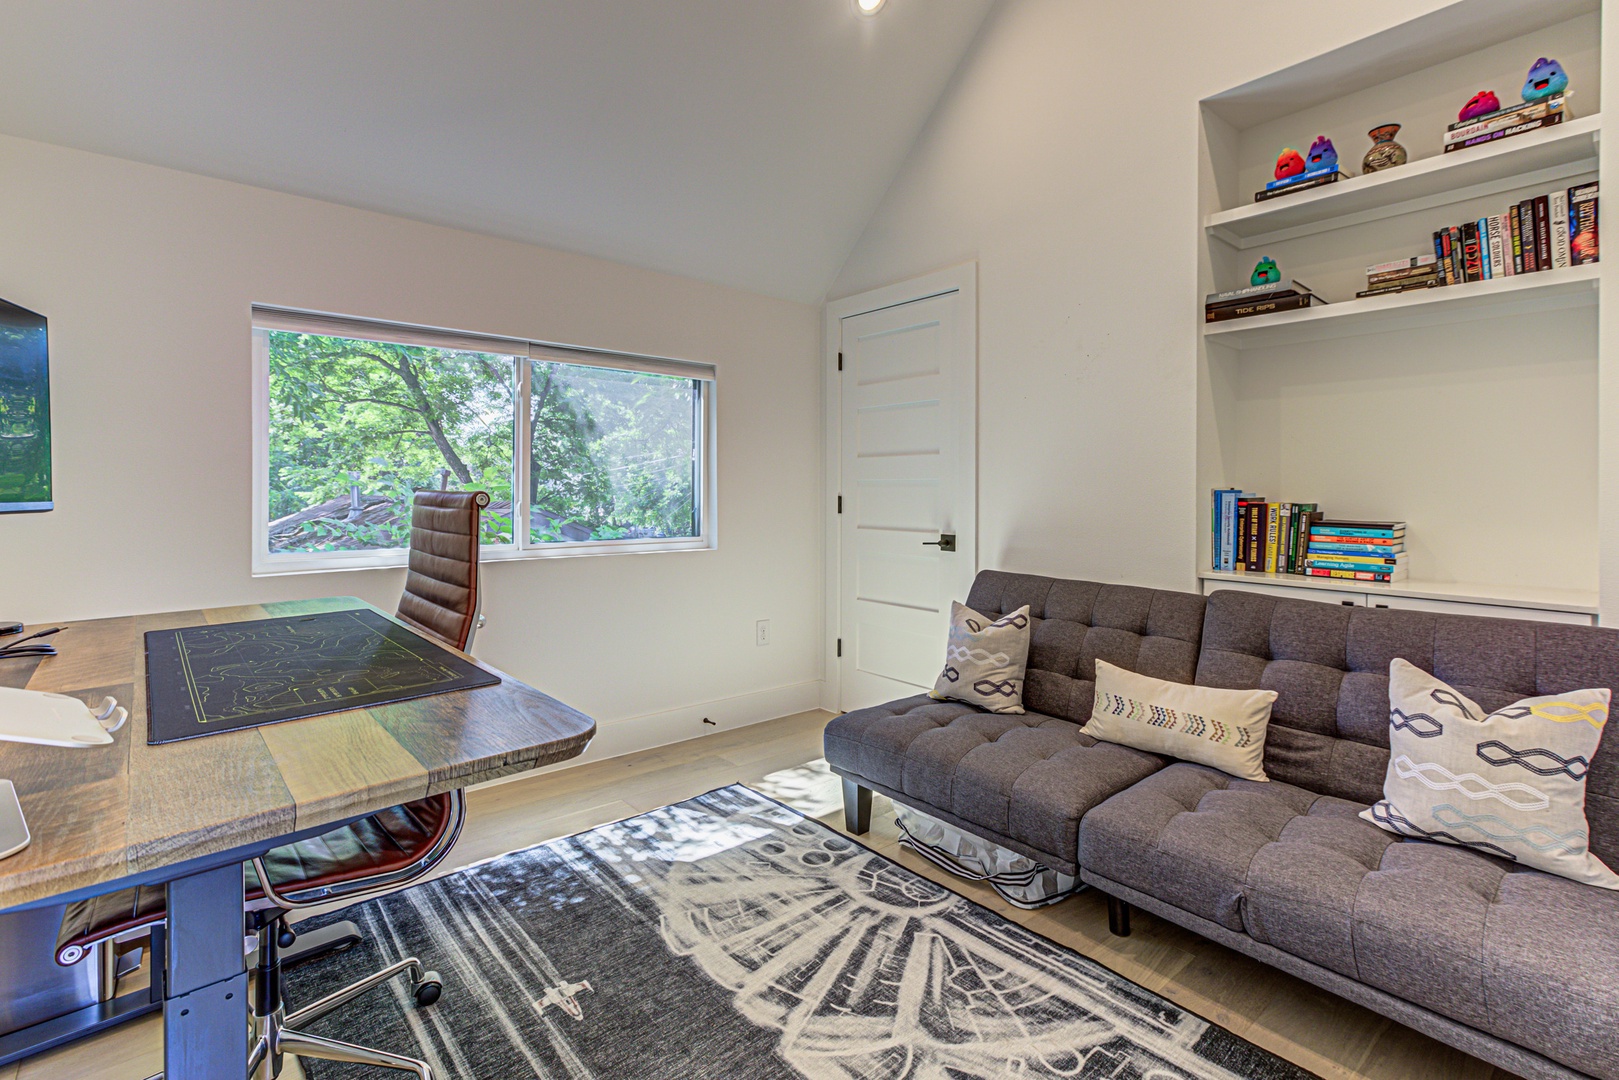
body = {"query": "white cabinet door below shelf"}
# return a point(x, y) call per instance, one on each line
point(1496, 611)
point(1288, 592)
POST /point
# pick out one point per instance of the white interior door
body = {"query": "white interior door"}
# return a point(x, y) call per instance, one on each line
point(908, 478)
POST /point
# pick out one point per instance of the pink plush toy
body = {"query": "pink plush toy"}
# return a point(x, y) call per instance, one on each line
point(1479, 104)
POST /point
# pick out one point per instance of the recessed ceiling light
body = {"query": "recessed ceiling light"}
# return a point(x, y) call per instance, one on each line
point(869, 7)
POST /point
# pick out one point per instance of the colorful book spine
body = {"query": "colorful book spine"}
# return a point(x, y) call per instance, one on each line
point(1273, 520)
point(1516, 239)
point(1307, 517)
point(1472, 266)
point(1500, 265)
point(1456, 255)
point(1391, 531)
point(1355, 575)
point(1582, 225)
point(1376, 566)
point(1526, 220)
point(1558, 210)
point(1543, 233)
point(1318, 547)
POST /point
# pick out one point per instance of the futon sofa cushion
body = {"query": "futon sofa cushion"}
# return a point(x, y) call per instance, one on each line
point(1522, 954)
point(1026, 777)
point(1188, 833)
point(1329, 666)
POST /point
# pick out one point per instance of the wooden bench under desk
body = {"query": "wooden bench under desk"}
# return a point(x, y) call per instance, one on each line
point(108, 817)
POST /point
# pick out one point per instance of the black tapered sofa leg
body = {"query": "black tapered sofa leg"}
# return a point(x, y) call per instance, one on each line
point(1118, 916)
point(856, 808)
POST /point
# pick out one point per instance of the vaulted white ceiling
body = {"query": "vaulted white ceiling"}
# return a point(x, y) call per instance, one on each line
point(740, 142)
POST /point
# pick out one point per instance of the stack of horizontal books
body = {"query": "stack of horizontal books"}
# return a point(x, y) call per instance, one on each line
point(1357, 550)
point(1402, 275)
point(1504, 123)
point(1258, 300)
point(1304, 181)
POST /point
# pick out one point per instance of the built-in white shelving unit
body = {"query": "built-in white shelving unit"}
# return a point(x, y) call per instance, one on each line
point(1497, 298)
point(1470, 411)
point(1539, 157)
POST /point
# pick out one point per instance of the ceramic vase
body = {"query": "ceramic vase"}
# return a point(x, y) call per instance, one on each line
point(1385, 152)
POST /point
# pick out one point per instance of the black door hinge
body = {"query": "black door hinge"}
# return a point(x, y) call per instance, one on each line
point(840, 361)
point(840, 504)
point(840, 646)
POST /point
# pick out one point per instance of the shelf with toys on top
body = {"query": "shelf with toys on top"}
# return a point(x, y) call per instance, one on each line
point(1442, 366)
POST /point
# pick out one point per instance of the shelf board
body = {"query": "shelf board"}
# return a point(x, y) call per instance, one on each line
point(1575, 286)
point(1539, 157)
point(1580, 601)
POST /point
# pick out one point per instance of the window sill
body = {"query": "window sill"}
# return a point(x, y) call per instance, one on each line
point(332, 562)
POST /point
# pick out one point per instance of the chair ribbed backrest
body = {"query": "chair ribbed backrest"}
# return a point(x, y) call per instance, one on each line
point(441, 586)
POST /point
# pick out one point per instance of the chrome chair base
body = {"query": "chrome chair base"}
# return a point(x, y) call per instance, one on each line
point(275, 1035)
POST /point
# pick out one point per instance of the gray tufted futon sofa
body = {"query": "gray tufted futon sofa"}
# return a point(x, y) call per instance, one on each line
point(1515, 966)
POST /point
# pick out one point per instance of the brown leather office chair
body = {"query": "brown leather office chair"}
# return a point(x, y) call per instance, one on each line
point(382, 851)
point(441, 587)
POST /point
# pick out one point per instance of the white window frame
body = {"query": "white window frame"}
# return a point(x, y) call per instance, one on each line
point(267, 563)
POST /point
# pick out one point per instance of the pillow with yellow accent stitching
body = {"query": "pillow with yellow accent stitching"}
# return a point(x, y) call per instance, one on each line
point(985, 659)
point(1509, 783)
point(1224, 729)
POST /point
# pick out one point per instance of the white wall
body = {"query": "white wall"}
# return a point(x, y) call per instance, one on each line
point(147, 275)
point(1064, 158)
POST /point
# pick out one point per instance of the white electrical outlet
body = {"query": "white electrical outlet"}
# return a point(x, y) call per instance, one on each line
point(761, 632)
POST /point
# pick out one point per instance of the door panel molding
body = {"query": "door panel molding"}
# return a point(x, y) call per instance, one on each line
point(961, 278)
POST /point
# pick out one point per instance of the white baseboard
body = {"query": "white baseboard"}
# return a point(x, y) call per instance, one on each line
point(627, 735)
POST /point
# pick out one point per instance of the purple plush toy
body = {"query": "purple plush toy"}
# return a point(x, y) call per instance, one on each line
point(1323, 155)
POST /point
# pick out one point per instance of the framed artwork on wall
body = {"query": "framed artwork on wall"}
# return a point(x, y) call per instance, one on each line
point(25, 411)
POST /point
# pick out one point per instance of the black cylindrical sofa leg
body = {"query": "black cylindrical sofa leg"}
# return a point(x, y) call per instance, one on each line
point(856, 808)
point(1118, 916)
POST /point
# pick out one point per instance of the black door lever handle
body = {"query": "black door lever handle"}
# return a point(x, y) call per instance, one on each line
point(945, 542)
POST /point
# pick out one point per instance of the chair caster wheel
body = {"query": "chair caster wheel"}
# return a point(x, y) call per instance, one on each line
point(428, 989)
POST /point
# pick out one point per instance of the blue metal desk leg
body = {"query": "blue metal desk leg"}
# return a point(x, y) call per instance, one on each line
point(205, 1002)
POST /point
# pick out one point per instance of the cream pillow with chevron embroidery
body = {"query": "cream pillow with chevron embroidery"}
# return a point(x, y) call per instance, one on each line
point(985, 659)
point(1510, 783)
point(1221, 728)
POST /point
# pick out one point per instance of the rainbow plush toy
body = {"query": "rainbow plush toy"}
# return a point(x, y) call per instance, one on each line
point(1289, 163)
point(1546, 79)
point(1266, 272)
point(1323, 155)
point(1480, 104)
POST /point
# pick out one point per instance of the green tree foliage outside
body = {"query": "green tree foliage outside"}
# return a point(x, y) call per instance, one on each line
point(611, 454)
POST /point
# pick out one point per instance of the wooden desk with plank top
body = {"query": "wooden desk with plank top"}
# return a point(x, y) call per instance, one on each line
point(190, 813)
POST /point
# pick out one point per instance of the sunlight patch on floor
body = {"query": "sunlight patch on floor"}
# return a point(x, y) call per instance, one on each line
point(812, 788)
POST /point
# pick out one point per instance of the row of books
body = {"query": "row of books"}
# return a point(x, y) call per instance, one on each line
point(1276, 296)
point(1504, 123)
point(1250, 534)
point(1548, 232)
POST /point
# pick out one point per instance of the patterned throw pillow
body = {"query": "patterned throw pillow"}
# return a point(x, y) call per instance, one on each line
point(984, 661)
point(1221, 728)
point(1511, 783)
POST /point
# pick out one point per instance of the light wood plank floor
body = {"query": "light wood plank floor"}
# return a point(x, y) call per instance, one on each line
point(1323, 1033)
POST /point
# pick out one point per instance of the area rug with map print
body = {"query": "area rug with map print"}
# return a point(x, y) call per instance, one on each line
point(730, 937)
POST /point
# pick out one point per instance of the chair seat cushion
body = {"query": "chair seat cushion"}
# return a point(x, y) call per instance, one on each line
point(1525, 955)
point(378, 844)
point(1029, 777)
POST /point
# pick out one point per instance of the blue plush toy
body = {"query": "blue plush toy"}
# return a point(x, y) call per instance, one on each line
point(1323, 155)
point(1266, 272)
point(1546, 79)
